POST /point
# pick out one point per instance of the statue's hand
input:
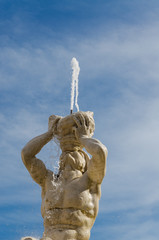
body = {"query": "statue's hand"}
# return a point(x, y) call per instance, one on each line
point(52, 125)
point(83, 126)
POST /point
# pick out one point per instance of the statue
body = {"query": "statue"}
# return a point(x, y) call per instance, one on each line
point(70, 198)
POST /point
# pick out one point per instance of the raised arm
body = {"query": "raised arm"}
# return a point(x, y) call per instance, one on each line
point(34, 165)
point(97, 164)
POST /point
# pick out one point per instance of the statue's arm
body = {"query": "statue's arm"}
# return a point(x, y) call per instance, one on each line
point(97, 164)
point(34, 165)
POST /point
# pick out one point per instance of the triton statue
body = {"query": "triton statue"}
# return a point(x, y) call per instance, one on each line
point(69, 199)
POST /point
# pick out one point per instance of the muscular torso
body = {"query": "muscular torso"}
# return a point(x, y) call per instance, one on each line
point(69, 207)
point(69, 202)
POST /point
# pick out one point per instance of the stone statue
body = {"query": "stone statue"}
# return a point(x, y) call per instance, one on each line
point(69, 199)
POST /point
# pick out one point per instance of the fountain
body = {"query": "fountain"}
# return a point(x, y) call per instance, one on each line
point(71, 197)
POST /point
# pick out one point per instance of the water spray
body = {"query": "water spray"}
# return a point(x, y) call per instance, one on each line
point(74, 85)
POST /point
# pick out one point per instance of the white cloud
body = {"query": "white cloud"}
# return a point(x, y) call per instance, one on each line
point(29, 69)
point(129, 54)
point(132, 134)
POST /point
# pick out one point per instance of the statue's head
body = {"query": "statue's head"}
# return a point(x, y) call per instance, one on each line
point(64, 128)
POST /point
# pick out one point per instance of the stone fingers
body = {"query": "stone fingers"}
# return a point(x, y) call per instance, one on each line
point(87, 121)
point(82, 119)
point(77, 121)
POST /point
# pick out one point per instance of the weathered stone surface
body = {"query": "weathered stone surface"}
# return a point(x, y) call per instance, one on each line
point(70, 199)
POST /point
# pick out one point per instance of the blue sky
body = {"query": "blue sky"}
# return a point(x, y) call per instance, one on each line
point(116, 44)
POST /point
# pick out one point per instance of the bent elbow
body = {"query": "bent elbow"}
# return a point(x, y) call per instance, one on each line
point(24, 155)
point(102, 152)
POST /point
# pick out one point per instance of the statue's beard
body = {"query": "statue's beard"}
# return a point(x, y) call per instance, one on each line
point(75, 159)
